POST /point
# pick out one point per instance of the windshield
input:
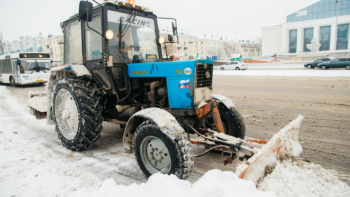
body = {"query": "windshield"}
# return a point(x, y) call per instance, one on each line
point(29, 66)
point(138, 40)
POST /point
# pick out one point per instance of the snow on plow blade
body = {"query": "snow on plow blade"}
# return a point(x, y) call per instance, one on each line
point(37, 103)
point(284, 143)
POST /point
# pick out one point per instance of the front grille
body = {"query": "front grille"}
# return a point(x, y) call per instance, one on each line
point(202, 80)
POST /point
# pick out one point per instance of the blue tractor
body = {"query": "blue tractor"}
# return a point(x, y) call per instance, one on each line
point(114, 71)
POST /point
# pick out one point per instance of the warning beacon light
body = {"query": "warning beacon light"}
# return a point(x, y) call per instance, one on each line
point(132, 2)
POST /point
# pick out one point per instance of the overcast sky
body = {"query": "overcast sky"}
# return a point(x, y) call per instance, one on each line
point(197, 17)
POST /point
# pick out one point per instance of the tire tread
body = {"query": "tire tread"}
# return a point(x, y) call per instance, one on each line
point(183, 145)
point(91, 114)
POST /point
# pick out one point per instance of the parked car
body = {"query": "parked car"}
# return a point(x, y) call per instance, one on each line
point(336, 63)
point(316, 62)
point(234, 65)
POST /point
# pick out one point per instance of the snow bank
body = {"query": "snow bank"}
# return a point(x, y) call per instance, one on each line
point(213, 183)
point(28, 168)
point(298, 178)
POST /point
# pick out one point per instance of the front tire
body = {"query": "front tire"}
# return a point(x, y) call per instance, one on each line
point(157, 152)
point(309, 66)
point(323, 67)
point(222, 68)
point(77, 113)
point(12, 82)
point(237, 68)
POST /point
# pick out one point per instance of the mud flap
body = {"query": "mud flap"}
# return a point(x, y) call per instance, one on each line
point(285, 143)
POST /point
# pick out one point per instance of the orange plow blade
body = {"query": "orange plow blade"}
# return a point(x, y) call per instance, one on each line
point(284, 143)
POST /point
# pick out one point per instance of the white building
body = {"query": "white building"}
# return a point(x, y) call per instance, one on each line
point(27, 44)
point(192, 47)
point(326, 21)
point(226, 49)
point(54, 46)
point(183, 50)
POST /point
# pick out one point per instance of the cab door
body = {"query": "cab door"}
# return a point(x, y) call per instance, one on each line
point(15, 69)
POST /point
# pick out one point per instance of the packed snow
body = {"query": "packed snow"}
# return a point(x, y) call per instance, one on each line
point(286, 72)
point(32, 165)
point(298, 178)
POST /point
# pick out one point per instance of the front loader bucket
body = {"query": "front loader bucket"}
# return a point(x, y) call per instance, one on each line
point(37, 103)
point(285, 143)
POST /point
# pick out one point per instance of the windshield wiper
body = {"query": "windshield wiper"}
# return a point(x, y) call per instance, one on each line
point(122, 31)
point(44, 68)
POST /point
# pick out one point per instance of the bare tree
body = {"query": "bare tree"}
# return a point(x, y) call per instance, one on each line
point(220, 52)
point(211, 51)
point(229, 49)
point(170, 49)
point(1, 44)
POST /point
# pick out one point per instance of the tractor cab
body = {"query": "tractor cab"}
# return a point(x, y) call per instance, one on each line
point(108, 37)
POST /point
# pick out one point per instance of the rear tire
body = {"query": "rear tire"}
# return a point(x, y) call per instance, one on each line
point(323, 67)
point(347, 67)
point(309, 66)
point(12, 82)
point(157, 152)
point(233, 121)
point(237, 68)
point(77, 113)
point(222, 68)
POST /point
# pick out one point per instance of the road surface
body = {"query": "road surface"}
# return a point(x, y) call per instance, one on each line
point(267, 105)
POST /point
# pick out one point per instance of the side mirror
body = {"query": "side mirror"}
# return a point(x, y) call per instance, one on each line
point(85, 11)
point(170, 38)
point(174, 29)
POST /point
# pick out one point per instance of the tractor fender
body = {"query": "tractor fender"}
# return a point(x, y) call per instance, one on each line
point(163, 119)
point(224, 100)
point(79, 70)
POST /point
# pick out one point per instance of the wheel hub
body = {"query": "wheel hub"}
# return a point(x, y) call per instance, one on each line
point(66, 112)
point(155, 155)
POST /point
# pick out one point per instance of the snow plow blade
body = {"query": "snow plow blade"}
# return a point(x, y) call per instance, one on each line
point(37, 103)
point(283, 144)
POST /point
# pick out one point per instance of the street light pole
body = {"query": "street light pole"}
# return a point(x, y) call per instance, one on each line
point(336, 26)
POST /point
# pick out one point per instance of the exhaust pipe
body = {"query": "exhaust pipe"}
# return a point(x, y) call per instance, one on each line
point(152, 93)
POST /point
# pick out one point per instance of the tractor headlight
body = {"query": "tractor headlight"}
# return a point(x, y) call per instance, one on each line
point(109, 34)
point(161, 40)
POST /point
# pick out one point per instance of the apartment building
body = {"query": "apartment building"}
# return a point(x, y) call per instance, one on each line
point(54, 46)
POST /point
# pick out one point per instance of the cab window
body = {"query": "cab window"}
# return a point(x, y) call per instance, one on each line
point(93, 39)
point(73, 52)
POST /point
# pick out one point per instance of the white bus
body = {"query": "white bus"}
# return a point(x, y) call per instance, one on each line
point(25, 68)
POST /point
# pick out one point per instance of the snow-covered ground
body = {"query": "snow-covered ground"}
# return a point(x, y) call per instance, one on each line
point(32, 164)
point(290, 72)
